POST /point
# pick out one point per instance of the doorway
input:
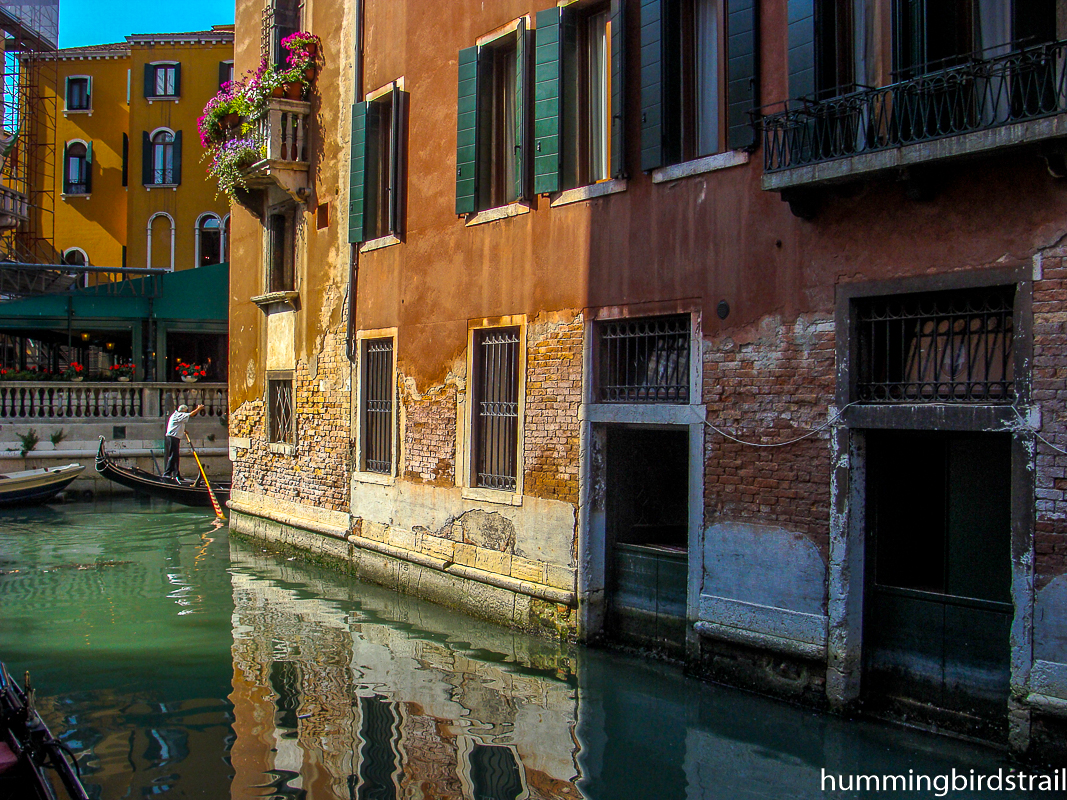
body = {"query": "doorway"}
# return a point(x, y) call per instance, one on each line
point(938, 612)
point(647, 526)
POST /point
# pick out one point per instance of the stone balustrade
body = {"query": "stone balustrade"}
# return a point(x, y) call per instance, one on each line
point(30, 400)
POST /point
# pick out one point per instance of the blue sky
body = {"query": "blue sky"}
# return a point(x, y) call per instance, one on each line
point(84, 22)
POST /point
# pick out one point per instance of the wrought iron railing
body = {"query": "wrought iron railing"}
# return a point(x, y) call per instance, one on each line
point(982, 94)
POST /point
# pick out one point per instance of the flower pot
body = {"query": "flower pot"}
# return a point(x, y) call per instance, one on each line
point(309, 73)
point(189, 379)
point(294, 90)
point(77, 379)
point(124, 378)
point(277, 91)
point(312, 49)
point(231, 120)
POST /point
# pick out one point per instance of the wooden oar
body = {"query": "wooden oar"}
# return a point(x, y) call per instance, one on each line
point(211, 492)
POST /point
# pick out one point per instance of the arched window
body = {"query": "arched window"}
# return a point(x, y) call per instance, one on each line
point(76, 159)
point(161, 240)
point(163, 158)
point(208, 240)
point(76, 257)
point(226, 239)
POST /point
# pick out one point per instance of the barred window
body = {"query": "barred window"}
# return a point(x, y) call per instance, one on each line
point(280, 411)
point(377, 438)
point(644, 360)
point(496, 408)
point(937, 347)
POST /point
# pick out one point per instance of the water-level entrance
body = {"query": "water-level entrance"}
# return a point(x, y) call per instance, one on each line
point(938, 612)
point(647, 511)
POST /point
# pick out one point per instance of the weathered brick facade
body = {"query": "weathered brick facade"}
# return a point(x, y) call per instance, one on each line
point(428, 425)
point(1049, 391)
point(777, 385)
point(553, 395)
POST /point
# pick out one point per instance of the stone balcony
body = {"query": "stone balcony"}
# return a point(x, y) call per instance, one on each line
point(284, 130)
point(14, 208)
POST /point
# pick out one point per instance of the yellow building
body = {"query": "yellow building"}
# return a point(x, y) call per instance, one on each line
point(130, 190)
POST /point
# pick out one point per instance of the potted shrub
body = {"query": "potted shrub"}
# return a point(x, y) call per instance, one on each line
point(228, 160)
point(219, 117)
point(122, 371)
point(73, 372)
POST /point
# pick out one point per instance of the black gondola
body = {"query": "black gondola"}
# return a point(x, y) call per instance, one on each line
point(29, 754)
point(187, 493)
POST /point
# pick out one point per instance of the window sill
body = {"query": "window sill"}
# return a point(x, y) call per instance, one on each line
point(67, 111)
point(86, 195)
point(377, 478)
point(379, 243)
point(151, 186)
point(497, 496)
point(281, 448)
point(500, 212)
point(580, 193)
point(174, 97)
point(264, 301)
point(700, 166)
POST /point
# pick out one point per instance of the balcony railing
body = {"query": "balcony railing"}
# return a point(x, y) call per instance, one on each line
point(284, 130)
point(23, 400)
point(983, 94)
point(14, 208)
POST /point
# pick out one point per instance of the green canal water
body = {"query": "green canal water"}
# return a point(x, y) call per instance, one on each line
point(182, 663)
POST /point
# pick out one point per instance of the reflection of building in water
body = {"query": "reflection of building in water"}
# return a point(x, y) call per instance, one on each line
point(369, 696)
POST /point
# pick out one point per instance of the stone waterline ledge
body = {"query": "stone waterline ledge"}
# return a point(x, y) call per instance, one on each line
point(501, 587)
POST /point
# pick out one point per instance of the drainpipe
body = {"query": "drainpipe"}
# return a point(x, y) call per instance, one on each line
point(353, 265)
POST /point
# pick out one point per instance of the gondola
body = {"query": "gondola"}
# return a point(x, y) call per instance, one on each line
point(35, 486)
point(187, 493)
point(31, 759)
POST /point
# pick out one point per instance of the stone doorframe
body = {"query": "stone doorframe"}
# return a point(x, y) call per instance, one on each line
point(845, 589)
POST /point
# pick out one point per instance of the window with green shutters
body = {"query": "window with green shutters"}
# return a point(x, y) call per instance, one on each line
point(578, 97)
point(493, 114)
point(375, 188)
point(163, 80)
point(698, 78)
point(77, 167)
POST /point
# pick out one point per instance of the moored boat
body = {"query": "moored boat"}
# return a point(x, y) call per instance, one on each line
point(34, 486)
point(31, 759)
point(186, 493)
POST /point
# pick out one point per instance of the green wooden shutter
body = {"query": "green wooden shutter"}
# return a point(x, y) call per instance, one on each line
point(357, 170)
point(149, 81)
point(66, 170)
point(125, 160)
point(89, 168)
point(652, 84)
point(146, 159)
point(177, 157)
point(522, 83)
point(177, 80)
point(89, 92)
point(396, 188)
point(546, 121)
point(618, 93)
point(742, 73)
point(801, 48)
point(467, 132)
point(66, 92)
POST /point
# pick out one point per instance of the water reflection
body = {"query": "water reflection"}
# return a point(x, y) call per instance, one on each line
point(180, 663)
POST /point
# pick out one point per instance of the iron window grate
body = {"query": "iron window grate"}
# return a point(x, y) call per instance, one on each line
point(378, 406)
point(939, 347)
point(280, 400)
point(496, 408)
point(644, 360)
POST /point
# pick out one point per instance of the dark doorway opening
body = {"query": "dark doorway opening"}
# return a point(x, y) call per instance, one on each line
point(938, 611)
point(647, 509)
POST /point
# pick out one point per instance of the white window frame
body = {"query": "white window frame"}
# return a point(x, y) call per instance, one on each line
point(359, 421)
point(88, 96)
point(152, 144)
point(465, 418)
point(196, 236)
point(170, 97)
point(151, 219)
point(66, 166)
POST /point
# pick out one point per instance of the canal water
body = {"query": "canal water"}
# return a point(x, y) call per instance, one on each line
point(182, 663)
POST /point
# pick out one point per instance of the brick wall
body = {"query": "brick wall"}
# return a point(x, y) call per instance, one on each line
point(429, 433)
point(1049, 391)
point(775, 387)
point(317, 474)
point(553, 394)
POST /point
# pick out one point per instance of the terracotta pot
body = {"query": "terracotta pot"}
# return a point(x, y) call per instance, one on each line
point(293, 91)
point(277, 91)
point(312, 50)
point(310, 73)
point(231, 120)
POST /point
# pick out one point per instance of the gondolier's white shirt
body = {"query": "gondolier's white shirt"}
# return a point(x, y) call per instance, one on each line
point(176, 423)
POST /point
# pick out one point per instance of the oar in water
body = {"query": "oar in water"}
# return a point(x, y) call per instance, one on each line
point(210, 491)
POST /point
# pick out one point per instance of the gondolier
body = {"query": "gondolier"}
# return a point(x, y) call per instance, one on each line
point(173, 439)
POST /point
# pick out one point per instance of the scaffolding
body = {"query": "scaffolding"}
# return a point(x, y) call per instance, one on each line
point(28, 151)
